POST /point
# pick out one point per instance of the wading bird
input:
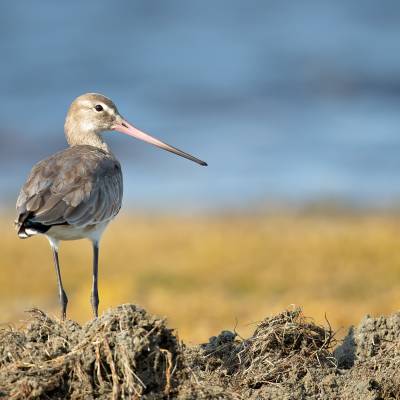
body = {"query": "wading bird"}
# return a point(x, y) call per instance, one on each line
point(76, 192)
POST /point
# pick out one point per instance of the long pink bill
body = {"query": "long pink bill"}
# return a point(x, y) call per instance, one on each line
point(127, 128)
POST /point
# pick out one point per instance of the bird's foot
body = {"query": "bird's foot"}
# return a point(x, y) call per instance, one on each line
point(64, 303)
point(94, 300)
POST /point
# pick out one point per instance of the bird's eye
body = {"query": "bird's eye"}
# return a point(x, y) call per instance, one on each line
point(99, 108)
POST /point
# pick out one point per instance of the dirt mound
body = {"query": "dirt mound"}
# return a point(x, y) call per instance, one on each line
point(290, 357)
point(371, 355)
point(128, 353)
point(287, 355)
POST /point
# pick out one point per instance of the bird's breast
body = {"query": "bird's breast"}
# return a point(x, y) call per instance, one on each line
point(70, 232)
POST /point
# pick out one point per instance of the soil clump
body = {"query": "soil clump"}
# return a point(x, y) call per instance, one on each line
point(128, 353)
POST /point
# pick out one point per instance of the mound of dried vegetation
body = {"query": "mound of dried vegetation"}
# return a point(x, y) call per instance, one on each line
point(287, 354)
point(126, 353)
point(130, 354)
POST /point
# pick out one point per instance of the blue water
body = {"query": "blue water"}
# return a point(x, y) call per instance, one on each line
point(287, 101)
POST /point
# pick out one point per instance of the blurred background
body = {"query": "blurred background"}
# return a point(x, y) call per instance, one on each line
point(294, 105)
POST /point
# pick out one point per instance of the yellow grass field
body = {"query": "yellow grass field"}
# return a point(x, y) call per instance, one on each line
point(206, 274)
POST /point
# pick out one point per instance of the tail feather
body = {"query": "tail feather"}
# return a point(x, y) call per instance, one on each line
point(27, 228)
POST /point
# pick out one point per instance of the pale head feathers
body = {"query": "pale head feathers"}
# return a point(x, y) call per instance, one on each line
point(88, 116)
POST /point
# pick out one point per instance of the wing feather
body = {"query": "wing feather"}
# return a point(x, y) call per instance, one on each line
point(79, 186)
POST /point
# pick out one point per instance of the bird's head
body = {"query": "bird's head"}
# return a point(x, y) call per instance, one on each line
point(91, 114)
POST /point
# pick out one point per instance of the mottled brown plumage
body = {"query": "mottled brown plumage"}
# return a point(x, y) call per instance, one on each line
point(79, 186)
point(74, 193)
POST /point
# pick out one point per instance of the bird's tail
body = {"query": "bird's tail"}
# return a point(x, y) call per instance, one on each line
point(27, 228)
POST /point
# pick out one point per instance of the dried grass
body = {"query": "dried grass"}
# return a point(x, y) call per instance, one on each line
point(283, 348)
point(126, 353)
point(130, 354)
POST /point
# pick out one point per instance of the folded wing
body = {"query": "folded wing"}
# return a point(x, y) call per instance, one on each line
point(79, 186)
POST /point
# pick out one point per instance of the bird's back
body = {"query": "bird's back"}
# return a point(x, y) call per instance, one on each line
point(79, 186)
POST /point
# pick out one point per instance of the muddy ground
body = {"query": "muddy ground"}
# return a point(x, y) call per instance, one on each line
point(129, 354)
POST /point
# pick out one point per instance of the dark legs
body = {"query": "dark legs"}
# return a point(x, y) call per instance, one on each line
point(61, 293)
point(95, 293)
point(94, 298)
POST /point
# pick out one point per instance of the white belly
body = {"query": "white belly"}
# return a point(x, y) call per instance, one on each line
point(69, 232)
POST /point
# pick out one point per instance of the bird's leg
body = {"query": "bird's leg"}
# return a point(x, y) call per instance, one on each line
point(61, 292)
point(94, 299)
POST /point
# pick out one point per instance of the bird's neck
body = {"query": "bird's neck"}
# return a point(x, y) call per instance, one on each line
point(88, 138)
point(77, 135)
